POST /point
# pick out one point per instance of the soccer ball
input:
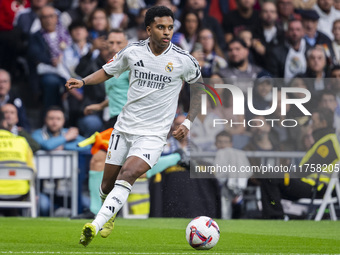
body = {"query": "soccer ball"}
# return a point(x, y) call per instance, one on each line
point(202, 233)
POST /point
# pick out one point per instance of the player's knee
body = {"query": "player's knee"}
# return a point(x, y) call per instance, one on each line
point(129, 174)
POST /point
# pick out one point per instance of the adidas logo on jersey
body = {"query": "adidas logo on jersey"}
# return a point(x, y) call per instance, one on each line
point(111, 208)
point(147, 156)
point(139, 63)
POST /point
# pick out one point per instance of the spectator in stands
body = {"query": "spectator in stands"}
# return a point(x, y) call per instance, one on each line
point(203, 132)
point(328, 14)
point(268, 33)
point(71, 57)
point(11, 116)
point(98, 24)
point(138, 32)
point(274, 189)
point(232, 184)
point(210, 56)
point(335, 49)
point(27, 20)
point(337, 5)
point(328, 100)
point(300, 81)
point(316, 65)
point(207, 21)
point(225, 111)
point(187, 35)
point(14, 149)
point(78, 48)
point(92, 95)
point(239, 69)
point(285, 9)
point(287, 60)
point(45, 53)
point(243, 17)
point(262, 93)
point(53, 135)
point(80, 13)
point(118, 14)
point(8, 96)
point(335, 83)
point(312, 35)
point(256, 49)
point(261, 139)
point(10, 37)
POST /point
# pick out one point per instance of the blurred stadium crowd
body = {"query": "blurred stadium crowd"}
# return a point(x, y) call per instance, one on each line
point(248, 43)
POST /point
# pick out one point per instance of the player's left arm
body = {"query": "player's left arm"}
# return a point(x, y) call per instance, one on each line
point(195, 102)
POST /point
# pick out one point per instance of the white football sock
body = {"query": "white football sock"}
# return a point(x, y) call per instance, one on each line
point(113, 203)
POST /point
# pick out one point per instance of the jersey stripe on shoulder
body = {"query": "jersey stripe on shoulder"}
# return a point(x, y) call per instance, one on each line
point(185, 53)
point(140, 43)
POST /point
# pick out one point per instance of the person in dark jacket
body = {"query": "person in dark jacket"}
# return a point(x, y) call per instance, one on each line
point(325, 151)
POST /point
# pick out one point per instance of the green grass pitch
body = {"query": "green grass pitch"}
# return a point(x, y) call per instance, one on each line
point(167, 236)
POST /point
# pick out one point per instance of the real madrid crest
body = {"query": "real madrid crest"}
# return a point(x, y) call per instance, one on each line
point(169, 67)
point(109, 155)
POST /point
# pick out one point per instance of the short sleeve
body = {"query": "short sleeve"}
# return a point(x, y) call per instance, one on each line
point(192, 70)
point(118, 64)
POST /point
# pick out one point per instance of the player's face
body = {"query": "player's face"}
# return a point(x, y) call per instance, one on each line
point(116, 42)
point(55, 121)
point(10, 113)
point(160, 32)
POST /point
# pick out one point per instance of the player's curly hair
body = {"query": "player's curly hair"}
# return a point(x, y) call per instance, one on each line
point(157, 11)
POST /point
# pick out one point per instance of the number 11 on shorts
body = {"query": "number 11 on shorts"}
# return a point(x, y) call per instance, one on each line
point(112, 141)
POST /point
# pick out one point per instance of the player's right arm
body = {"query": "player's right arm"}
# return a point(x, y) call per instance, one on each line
point(92, 79)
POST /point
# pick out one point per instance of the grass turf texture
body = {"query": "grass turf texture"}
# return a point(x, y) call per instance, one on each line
point(167, 236)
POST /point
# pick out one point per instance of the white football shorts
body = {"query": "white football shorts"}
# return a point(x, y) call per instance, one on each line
point(123, 145)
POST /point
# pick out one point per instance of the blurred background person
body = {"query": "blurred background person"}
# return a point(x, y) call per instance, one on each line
point(328, 14)
point(11, 116)
point(243, 17)
point(98, 24)
point(80, 13)
point(187, 35)
point(289, 59)
point(45, 52)
point(7, 95)
point(210, 56)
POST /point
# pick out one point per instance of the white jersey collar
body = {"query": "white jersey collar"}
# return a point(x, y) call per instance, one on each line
point(163, 53)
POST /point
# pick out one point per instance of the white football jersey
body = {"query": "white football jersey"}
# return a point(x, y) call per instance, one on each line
point(155, 84)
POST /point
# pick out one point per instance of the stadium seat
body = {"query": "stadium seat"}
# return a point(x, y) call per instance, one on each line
point(329, 198)
point(21, 172)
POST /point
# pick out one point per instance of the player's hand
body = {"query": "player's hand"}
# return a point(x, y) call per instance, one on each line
point(71, 133)
point(92, 108)
point(180, 133)
point(73, 84)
